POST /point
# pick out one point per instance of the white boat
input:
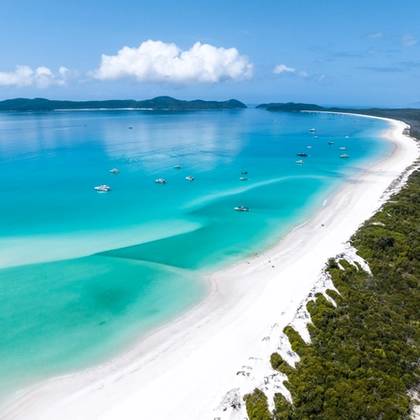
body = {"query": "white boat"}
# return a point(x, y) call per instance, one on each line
point(343, 148)
point(309, 147)
point(114, 171)
point(177, 167)
point(241, 208)
point(330, 143)
point(102, 188)
point(344, 156)
point(312, 130)
point(160, 181)
point(300, 162)
point(243, 178)
point(189, 178)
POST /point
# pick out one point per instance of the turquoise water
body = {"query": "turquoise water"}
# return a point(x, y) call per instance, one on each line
point(82, 274)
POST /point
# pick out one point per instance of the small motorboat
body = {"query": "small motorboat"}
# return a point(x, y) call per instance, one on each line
point(189, 178)
point(343, 148)
point(330, 143)
point(344, 156)
point(160, 181)
point(177, 167)
point(244, 172)
point(114, 171)
point(312, 130)
point(300, 162)
point(309, 147)
point(302, 154)
point(347, 137)
point(241, 208)
point(243, 178)
point(102, 188)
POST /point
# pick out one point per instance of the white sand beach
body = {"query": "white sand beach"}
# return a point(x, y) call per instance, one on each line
point(183, 370)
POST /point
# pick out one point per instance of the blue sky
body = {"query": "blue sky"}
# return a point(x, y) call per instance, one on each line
point(325, 51)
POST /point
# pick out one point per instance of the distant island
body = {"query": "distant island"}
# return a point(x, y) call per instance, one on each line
point(409, 115)
point(160, 103)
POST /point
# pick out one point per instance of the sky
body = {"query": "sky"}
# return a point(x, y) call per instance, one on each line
point(330, 52)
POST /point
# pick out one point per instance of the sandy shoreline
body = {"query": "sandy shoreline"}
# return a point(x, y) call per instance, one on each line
point(183, 370)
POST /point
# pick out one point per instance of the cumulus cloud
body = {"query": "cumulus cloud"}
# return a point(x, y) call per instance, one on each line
point(283, 69)
point(40, 77)
point(157, 61)
point(408, 40)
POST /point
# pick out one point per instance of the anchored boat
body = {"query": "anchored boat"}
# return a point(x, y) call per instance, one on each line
point(241, 208)
point(102, 188)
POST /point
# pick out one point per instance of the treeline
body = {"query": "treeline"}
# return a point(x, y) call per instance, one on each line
point(364, 354)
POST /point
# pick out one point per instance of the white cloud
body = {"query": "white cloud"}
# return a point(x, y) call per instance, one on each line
point(283, 69)
point(408, 40)
point(375, 35)
point(40, 77)
point(158, 61)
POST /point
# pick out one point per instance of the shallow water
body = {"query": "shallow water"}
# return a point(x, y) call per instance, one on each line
point(85, 273)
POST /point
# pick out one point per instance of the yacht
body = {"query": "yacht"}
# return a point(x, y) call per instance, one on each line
point(160, 181)
point(241, 208)
point(189, 178)
point(102, 188)
point(114, 171)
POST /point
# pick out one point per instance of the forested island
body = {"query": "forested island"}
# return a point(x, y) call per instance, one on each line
point(160, 103)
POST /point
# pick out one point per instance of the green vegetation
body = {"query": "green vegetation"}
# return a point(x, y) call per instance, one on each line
point(256, 406)
point(364, 353)
point(161, 103)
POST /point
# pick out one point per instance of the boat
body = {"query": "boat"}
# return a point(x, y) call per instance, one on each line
point(343, 148)
point(114, 171)
point(302, 154)
point(241, 208)
point(177, 167)
point(160, 181)
point(189, 178)
point(300, 162)
point(309, 147)
point(102, 188)
point(130, 127)
point(344, 156)
point(312, 130)
point(243, 178)
point(244, 172)
point(330, 143)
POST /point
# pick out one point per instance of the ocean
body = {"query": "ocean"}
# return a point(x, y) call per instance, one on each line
point(83, 274)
